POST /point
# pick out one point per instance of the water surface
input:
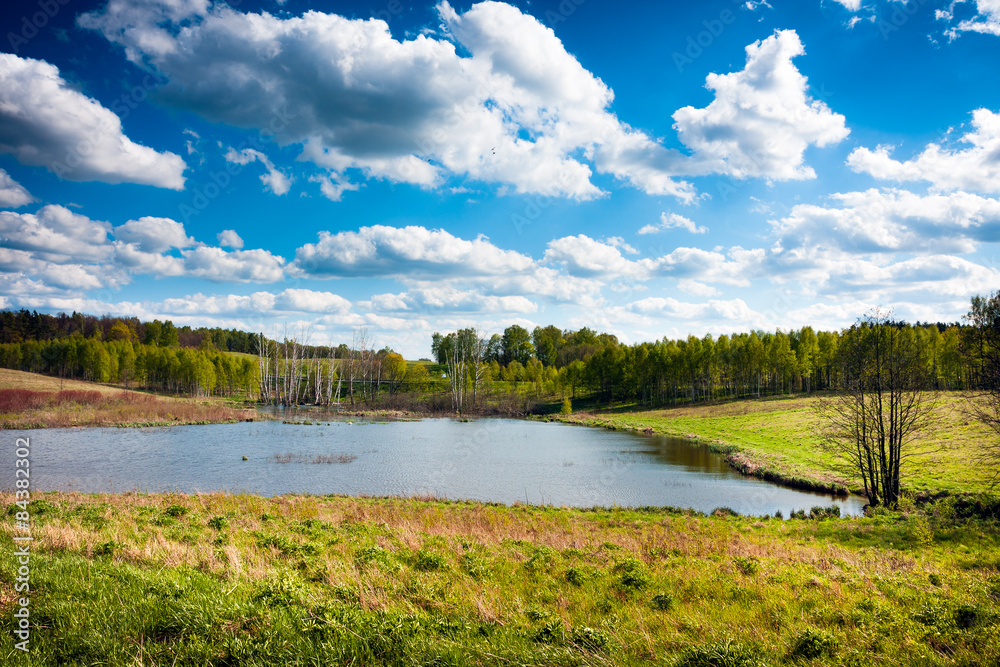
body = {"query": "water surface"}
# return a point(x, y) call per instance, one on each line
point(500, 460)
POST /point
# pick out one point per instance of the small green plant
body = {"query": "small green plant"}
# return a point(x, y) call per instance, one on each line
point(567, 406)
point(811, 644)
point(107, 548)
point(551, 633)
point(176, 511)
point(920, 531)
point(428, 561)
point(934, 579)
point(748, 565)
point(663, 601)
point(218, 522)
point(589, 638)
point(720, 654)
point(576, 576)
point(632, 575)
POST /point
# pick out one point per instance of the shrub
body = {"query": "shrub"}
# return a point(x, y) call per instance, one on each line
point(567, 406)
point(831, 512)
point(811, 644)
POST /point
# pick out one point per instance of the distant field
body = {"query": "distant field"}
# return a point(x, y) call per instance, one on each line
point(28, 400)
point(787, 434)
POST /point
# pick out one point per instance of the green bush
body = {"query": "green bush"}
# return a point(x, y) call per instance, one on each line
point(811, 644)
point(589, 638)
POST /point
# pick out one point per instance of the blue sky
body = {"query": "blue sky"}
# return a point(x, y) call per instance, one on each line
point(648, 169)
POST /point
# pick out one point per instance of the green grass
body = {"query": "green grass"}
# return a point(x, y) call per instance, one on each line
point(786, 436)
point(233, 579)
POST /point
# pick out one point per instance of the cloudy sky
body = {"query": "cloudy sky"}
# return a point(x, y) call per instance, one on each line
point(649, 169)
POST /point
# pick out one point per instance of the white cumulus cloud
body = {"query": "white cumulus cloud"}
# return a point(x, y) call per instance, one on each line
point(762, 119)
point(44, 122)
point(12, 193)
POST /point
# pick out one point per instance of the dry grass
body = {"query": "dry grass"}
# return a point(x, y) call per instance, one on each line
point(491, 577)
point(28, 400)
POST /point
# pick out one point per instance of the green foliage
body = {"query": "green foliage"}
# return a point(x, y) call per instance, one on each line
point(663, 601)
point(811, 644)
point(219, 522)
point(720, 654)
point(428, 561)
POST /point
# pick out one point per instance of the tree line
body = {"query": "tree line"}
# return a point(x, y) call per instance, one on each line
point(756, 363)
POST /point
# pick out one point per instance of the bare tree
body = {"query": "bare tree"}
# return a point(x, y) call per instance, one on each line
point(874, 421)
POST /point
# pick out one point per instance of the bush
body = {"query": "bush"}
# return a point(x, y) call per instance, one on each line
point(567, 406)
point(811, 644)
point(831, 512)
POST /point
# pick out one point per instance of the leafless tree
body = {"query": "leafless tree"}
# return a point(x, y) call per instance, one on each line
point(875, 419)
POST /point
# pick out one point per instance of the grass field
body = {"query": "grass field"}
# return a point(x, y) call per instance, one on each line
point(29, 400)
point(787, 435)
point(244, 580)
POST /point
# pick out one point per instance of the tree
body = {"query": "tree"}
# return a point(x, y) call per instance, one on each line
point(516, 344)
point(874, 421)
point(984, 401)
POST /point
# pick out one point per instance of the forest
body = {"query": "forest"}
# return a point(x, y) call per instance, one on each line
point(471, 367)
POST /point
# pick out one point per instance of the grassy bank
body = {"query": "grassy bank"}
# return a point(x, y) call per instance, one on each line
point(28, 400)
point(782, 439)
point(225, 580)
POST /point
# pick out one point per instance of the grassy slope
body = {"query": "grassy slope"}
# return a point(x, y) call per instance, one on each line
point(115, 408)
point(787, 434)
point(220, 579)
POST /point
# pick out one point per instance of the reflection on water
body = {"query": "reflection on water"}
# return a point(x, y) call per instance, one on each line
point(501, 460)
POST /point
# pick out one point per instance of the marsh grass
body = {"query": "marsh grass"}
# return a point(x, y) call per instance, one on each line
point(221, 579)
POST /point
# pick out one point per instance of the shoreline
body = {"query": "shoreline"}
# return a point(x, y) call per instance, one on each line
point(742, 460)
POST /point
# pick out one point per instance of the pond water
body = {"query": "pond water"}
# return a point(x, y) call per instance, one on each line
point(500, 460)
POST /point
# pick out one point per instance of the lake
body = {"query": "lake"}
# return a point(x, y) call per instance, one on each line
point(499, 460)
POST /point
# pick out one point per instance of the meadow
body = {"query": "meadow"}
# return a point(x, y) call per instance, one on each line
point(784, 439)
point(300, 580)
point(29, 400)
